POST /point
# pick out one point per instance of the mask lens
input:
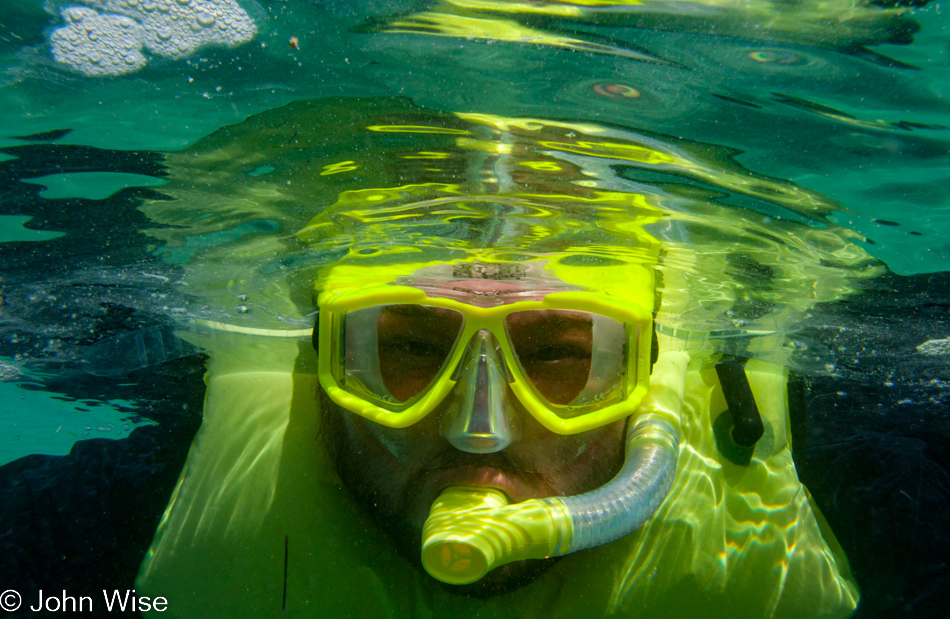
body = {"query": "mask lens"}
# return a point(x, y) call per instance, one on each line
point(573, 359)
point(554, 350)
point(395, 352)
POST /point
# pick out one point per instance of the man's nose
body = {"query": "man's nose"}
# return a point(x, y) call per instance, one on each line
point(477, 419)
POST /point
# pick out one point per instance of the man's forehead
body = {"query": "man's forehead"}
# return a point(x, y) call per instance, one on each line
point(551, 318)
point(486, 284)
point(554, 318)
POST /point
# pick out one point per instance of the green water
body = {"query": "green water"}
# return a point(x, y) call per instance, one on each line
point(90, 185)
point(35, 422)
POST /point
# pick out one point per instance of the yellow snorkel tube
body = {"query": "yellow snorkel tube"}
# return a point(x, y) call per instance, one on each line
point(471, 531)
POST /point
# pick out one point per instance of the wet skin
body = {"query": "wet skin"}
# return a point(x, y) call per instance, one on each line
point(396, 474)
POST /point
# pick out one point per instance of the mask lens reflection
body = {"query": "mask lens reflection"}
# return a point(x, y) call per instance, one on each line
point(414, 342)
point(554, 349)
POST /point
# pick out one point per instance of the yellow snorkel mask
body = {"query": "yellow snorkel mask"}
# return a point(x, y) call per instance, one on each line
point(575, 359)
point(398, 342)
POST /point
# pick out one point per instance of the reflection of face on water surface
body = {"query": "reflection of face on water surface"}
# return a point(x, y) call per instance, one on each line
point(452, 183)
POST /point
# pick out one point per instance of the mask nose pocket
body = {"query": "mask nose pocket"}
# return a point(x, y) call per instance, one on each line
point(477, 418)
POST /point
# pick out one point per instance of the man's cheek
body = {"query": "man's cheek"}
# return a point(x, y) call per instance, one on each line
point(395, 444)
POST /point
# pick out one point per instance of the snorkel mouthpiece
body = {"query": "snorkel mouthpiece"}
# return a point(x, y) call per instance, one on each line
point(471, 531)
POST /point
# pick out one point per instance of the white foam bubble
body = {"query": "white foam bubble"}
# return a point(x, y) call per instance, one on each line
point(98, 45)
point(107, 37)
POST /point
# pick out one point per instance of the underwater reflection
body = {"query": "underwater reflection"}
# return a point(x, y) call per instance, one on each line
point(299, 187)
point(841, 25)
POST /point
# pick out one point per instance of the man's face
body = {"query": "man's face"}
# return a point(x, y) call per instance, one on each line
point(396, 474)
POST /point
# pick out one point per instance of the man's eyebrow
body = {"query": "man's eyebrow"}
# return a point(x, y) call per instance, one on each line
point(561, 318)
point(416, 311)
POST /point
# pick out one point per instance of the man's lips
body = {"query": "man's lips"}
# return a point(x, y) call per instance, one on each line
point(513, 486)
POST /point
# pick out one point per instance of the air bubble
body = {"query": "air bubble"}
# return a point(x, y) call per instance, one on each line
point(205, 19)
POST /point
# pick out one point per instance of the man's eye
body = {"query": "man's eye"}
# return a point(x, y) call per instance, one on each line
point(557, 352)
point(412, 347)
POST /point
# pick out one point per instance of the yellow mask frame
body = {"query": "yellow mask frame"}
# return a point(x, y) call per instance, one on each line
point(334, 305)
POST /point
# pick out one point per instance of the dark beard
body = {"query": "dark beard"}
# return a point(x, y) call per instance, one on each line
point(362, 473)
